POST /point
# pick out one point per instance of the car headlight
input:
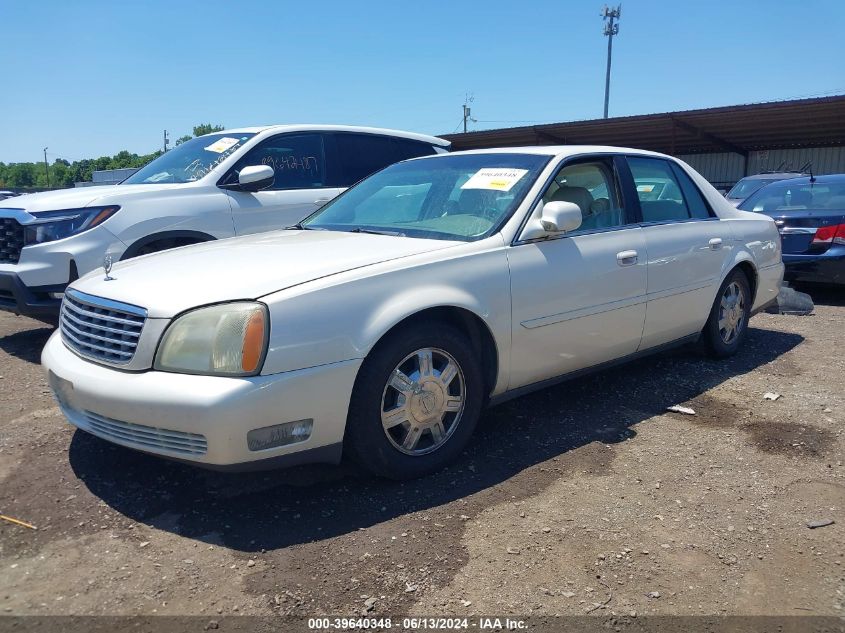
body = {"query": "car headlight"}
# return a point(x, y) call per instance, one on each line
point(228, 339)
point(55, 225)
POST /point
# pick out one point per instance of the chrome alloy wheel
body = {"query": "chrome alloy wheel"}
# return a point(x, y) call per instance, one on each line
point(731, 312)
point(423, 401)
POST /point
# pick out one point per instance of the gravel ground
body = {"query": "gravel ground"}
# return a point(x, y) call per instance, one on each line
point(588, 497)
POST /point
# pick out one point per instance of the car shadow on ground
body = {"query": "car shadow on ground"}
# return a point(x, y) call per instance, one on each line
point(26, 345)
point(270, 510)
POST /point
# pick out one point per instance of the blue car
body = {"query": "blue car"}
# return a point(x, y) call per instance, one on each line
point(810, 215)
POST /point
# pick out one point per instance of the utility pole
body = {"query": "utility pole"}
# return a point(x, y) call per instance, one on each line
point(166, 141)
point(611, 27)
point(46, 166)
point(467, 100)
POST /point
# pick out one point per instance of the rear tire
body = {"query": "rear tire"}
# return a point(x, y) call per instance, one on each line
point(727, 324)
point(416, 402)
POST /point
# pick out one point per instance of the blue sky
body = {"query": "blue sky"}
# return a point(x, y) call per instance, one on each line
point(90, 78)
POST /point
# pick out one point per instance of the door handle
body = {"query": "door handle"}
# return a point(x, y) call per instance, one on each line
point(321, 201)
point(715, 243)
point(626, 258)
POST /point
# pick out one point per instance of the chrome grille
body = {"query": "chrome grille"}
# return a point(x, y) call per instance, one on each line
point(101, 329)
point(146, 437)
point(11, 241)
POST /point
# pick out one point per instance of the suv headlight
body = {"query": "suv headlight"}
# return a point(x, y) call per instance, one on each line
point(229, 339)
point(55, 225)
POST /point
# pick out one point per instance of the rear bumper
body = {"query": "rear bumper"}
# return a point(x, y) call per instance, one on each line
point(16, 297)
point(769, 280)
point(827, 267)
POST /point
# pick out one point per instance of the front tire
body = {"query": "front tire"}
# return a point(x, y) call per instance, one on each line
point(727, 324)
point(416, 402)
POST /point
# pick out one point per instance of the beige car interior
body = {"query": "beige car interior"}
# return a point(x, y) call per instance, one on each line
point(590, 186)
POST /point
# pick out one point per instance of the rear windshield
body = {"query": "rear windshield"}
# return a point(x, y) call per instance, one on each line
point(746, 187)
point(790, 196)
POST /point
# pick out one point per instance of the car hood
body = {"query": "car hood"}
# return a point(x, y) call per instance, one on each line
point(77, 197)
point(246, 267)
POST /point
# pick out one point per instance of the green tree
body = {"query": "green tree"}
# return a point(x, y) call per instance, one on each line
point(60, 174)
point(183, 139)
point(22, 175)
point(207, 128)
point(65, 174)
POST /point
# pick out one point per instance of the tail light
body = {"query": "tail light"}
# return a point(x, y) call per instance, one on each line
point(830, 235)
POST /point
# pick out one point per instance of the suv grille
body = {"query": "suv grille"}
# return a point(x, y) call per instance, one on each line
point(101, 329)
point(11, 241)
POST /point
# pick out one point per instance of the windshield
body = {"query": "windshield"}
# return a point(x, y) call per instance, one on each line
point(746, 187)
point(788, 195)
point(189, 161)
point(459, 197)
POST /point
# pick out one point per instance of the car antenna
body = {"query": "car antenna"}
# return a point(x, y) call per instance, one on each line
point(812, 177)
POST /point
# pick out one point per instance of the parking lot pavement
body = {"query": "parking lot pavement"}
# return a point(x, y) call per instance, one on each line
point(586, 497)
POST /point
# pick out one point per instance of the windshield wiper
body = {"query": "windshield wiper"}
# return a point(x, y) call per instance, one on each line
point(360, 229)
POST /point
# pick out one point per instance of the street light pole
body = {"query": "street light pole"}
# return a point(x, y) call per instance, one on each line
point(611, 28)
point(467, 111)
point(46, 167)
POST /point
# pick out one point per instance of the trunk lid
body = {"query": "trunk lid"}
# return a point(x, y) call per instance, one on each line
point(798, 228)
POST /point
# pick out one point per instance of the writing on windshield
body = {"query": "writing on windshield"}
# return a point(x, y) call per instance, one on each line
point(191, 160)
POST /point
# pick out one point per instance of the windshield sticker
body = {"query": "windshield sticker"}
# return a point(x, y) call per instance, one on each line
point(497, 179)
point(221, 145)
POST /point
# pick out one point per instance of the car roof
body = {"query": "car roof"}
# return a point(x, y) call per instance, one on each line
point(818, 180)
point(308, 127)
point(563, 150)
point(781, 175)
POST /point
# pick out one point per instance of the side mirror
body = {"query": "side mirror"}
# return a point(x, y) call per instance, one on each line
point(555, 217)
point(256, 177)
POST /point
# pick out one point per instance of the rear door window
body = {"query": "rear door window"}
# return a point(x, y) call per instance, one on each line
point(658, 190)
point(696, 203)
point(408, 148)
point(360, 155)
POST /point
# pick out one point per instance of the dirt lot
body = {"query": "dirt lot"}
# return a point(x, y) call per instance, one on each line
point(588, 497)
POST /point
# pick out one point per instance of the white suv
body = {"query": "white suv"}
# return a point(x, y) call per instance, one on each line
point(219, 185)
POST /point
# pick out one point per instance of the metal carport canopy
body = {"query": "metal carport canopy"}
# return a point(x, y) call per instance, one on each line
point(813, 122)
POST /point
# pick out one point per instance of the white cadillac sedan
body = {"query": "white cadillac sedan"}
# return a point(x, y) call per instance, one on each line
point(382, 325)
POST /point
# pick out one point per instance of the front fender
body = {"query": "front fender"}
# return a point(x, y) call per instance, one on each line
point(190, 209)
point(344, 317)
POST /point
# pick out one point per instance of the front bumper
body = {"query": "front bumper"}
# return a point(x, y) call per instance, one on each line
point(50, 267)
point(826, 268)
point(203, 419)
point(16, 297)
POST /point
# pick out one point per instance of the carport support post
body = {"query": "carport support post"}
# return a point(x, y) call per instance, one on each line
point(611, 28)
